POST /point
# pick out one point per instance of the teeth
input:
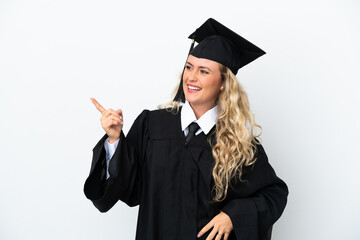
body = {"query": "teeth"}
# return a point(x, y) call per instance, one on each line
point(194, 88)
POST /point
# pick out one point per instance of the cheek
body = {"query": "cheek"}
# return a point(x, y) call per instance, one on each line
point(214, 86)
point(184, 86)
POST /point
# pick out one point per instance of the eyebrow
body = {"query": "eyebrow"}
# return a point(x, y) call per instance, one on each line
point(199, 66)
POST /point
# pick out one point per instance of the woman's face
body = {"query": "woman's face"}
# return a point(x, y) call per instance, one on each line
point(201, 82)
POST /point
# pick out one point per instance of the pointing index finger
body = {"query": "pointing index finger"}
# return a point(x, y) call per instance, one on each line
point(98, 106)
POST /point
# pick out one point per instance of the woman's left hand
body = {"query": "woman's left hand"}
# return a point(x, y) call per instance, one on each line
point(221, 225)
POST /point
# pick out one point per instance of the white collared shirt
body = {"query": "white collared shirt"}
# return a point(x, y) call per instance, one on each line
point(206, 122)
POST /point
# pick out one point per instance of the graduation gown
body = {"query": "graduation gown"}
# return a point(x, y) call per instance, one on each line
point(171, 181)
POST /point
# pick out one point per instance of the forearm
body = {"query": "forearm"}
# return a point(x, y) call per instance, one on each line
point(253, 216)
point(110, 150)
point(123, 178)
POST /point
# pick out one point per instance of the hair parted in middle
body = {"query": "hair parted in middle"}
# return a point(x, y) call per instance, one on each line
point(235, 138)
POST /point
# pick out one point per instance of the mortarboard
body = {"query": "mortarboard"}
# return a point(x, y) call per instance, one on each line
point(220, 44)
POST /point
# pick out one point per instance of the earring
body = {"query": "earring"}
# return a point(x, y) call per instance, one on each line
point(222, 88)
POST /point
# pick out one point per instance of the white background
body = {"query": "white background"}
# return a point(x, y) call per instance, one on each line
point(55, 55)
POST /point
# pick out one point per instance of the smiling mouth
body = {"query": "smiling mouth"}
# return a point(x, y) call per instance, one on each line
point(192, 88)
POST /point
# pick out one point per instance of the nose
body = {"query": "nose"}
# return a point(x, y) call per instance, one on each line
point(192, 76)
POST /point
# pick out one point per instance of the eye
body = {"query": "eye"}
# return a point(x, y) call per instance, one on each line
point(204, 72)
point(188, 67)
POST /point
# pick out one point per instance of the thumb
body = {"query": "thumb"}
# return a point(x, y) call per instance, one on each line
point(119, 111)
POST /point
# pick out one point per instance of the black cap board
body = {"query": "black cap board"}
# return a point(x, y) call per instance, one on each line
point(220, 44)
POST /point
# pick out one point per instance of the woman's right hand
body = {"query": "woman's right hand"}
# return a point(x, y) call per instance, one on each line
point(111, 121)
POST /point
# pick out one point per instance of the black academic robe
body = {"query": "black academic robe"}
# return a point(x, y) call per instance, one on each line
point(171, 181)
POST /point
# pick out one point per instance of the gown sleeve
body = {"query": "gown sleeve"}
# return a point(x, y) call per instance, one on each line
point(265, 198)
point(125, 178)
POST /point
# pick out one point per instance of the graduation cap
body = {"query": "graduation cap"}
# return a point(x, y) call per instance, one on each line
point(220, 44)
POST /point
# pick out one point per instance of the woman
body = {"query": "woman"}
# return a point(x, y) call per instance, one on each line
point(196, 170)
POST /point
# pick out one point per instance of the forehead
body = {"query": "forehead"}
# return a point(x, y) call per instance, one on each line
point(203, 62)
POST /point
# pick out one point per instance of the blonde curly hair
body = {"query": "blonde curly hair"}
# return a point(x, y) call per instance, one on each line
point(235, 137)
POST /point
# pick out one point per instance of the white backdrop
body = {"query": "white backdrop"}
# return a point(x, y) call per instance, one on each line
point(55, 55)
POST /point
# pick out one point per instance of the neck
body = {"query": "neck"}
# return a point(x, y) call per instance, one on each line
point(200, 110)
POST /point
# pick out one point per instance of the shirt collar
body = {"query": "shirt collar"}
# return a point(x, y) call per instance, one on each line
point(206, 121)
